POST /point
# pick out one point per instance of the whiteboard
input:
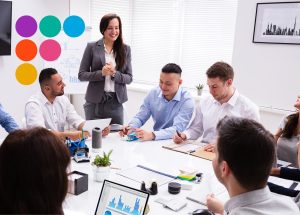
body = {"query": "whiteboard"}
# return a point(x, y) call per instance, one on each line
point(68, 62)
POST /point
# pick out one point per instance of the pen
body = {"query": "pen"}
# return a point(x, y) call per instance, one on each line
point(178, 134)
point(82, 134)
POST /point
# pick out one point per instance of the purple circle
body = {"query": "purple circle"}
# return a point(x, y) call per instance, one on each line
point(26, 26)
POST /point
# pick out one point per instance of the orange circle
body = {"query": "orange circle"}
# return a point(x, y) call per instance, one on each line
point(26, 50)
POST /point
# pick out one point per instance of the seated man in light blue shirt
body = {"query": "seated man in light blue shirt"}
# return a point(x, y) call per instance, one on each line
point(6, 121)
point(170, 106)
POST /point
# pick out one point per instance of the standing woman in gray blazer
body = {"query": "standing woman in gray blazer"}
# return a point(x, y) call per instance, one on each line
point(106, 64)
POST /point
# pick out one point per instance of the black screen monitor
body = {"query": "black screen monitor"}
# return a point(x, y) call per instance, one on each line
point(5, 27)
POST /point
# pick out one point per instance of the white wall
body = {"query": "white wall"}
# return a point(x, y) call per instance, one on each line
point(266, 73)
point(13, 95)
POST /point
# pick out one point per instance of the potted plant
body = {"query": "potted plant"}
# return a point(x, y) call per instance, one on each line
point(101, 166)
point(199, 88)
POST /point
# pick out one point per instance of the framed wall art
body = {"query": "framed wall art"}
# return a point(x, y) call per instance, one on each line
point(277, 22)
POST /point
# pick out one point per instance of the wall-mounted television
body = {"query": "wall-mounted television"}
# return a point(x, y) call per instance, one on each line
point(5, 27)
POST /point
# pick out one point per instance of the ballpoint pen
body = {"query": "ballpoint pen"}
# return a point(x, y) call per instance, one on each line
point(178, 134)
point(192, 151)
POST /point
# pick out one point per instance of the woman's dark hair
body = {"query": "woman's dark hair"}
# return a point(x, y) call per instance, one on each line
point(118, 47)
point(291, 125)
point(33, 177)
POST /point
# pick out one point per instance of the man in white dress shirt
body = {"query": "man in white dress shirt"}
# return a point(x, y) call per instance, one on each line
point(223, 100)
point(51, 109)
point(245, 152)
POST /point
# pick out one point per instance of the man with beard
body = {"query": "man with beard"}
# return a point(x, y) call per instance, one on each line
point(51, 109)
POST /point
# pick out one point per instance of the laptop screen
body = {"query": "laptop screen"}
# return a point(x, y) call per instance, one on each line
point(119, 199)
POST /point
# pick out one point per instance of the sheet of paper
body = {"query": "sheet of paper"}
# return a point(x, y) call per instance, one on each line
point(74, 176)
point(208, 185)
point(141, 174)
point(187, 148)
point(280, 181)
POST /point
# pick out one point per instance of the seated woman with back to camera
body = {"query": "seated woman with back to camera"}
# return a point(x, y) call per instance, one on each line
point(33, 172)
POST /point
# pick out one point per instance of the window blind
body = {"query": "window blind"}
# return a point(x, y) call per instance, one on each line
point(191, 33)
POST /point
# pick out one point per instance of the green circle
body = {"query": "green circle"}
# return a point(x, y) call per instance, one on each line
point(50, 26)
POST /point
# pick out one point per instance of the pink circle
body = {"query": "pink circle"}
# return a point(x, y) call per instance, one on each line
point(50, 50)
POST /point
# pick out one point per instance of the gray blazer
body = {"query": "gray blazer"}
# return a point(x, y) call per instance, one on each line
point(90, 70)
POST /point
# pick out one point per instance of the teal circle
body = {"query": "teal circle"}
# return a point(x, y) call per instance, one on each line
point(50, 26)
point(74, 26)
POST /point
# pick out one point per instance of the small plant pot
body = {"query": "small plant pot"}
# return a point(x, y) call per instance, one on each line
point(101, 173)
point(199, 92)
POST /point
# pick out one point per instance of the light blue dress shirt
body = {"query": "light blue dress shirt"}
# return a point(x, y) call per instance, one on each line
point(6, 121)
point(168, 116)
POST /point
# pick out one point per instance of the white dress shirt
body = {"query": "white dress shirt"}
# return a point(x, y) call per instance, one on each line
point(209, 112)
point(260, 202)
point(109, 85)
point(55, 116)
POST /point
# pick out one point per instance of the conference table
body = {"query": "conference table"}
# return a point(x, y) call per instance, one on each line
point(150, 154)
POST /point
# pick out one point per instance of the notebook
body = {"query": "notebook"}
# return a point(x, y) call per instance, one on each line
point(89, 125)
point(120, 199)
point(191, 147)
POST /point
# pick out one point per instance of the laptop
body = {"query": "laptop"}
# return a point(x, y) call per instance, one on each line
point(120, 199)
point(89, 125)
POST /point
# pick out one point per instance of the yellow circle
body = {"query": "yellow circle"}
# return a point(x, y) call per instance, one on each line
point(26, 74)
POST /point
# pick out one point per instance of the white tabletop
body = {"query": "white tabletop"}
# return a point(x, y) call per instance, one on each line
point(129, 154)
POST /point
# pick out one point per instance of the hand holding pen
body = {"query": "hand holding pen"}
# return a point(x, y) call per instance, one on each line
point(125, 130)
point(179, 137)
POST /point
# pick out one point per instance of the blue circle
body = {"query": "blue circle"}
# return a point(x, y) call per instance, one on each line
point(107, 213)
point(74, 26)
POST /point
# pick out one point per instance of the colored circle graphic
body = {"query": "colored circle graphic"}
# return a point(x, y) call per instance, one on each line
point(26, 50)
point(26, 74)
point(50, 50)
point(74, 26)
point(26, 26)
point(50, 26)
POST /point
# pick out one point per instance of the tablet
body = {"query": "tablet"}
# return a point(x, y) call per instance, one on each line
point(89, 125)
point(117, 199)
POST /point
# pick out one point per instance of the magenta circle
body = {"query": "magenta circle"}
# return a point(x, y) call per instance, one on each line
point(50, 50)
